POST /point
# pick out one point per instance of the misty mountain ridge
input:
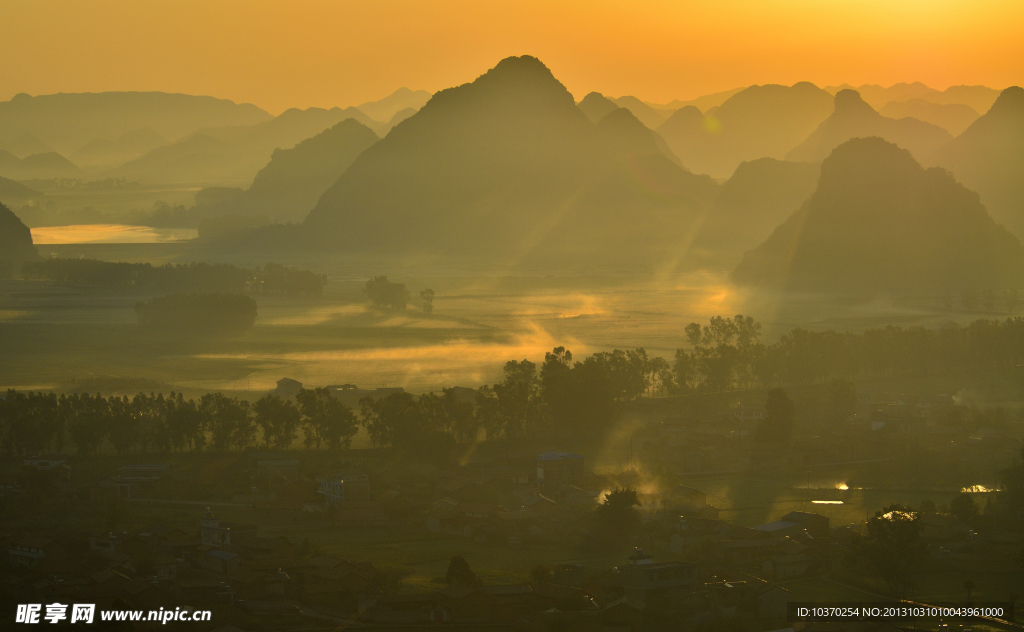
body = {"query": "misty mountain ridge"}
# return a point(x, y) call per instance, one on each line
point(952, 117)
point(508, 165)
point(25, 145)
point(854, 118)
point(235, 154)
point(41, 166)
point(880, 223)
point(288, 187)
point(758, 197)
point(596, 106)
point(103, 152)
point(384, 110)
point(12, 192)
point(988, 157)
point(978, 98)
point(66, 122)
point(757, 122)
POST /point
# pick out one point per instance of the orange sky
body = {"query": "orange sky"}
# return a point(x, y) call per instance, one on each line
point(339, 52)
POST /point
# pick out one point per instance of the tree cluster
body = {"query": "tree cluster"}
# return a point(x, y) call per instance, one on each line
point(272, 278)
point(389, 295)
point(727, 354)
point(32, 423)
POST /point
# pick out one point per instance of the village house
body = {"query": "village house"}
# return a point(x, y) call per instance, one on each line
point(339, 488)
point(31, 551)
point(132, 479)
point(556, 471)
point(215, 533)
point(641, 575)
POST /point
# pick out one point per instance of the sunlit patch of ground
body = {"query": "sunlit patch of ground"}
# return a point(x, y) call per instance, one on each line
point(14, 314)
point(316, 315)
point(109, 234)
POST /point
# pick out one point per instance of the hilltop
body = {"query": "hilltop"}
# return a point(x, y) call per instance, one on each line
point(880, 223)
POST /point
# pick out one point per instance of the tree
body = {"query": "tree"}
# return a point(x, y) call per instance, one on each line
point(964, 507)
point(384, 294)
point(894, 547)
point(969, 587)
point(427, 296)
point(228, 421)
point(393, 420)
point(777, 425)
point(460, 574)
point(279, 419)
point(325, 420)
point(616, 519)
point(511, 408)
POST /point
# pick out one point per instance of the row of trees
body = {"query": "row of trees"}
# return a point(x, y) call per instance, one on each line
point(272, 278)
point(727, 354)
point(32, 423)
point(562, 399)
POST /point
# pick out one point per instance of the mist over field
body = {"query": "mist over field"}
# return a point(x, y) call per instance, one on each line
point(505, 354)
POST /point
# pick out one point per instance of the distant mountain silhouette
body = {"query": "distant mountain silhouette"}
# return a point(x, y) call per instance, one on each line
point(702, 103)
point(989, 158)
point(757, 122)
point(759, 196)
point(401, 99)
point(290, 185)
point(103, 152)
point(12, 192)
point(67, 121)
point(645, 113)
point(15, 243)
point(235, 154)
point(509, 167)
point(25, 145)
point(952, 117)
point(879, 223)
point(43, 166)
point(596, 106)
point(853, 118)
point(978, 98)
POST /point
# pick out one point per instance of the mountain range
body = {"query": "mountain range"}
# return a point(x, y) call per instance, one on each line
point(880, 223)
point(854, 118)
point(758, 122)
point(294, 179)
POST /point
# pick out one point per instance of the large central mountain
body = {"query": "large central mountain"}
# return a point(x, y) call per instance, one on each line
point(879, 223)
point(509, 166)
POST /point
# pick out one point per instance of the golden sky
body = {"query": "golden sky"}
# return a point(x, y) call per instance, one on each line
point(304, 53)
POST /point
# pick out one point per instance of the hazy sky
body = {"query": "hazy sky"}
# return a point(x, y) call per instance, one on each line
point(338, 52)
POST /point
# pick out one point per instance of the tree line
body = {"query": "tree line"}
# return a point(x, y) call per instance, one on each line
point(272, 278)
point(727, 354)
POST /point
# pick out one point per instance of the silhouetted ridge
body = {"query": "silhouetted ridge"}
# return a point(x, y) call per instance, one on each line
point(596, 106)
point(757, 122)
point(507, 165)
point(854, 118)
point(989, 158)
point(15, 243)
point(880, 223)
